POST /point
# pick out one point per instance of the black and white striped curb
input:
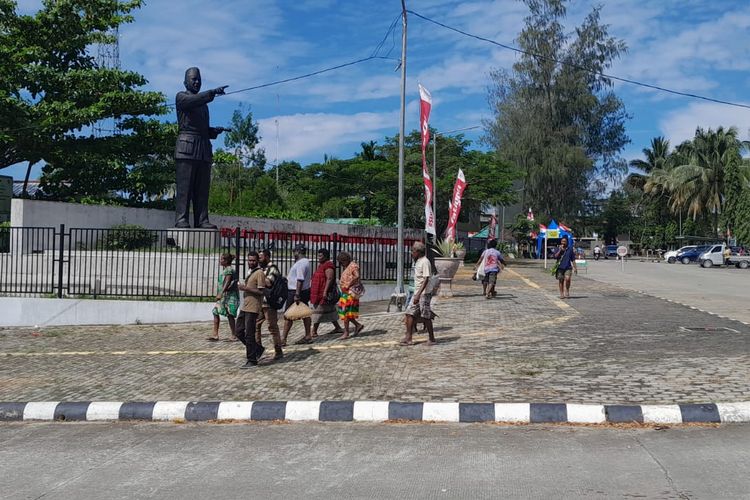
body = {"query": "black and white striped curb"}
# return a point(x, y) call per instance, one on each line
point(375, 411)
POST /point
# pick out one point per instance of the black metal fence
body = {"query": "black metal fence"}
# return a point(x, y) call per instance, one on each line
point(169, 263)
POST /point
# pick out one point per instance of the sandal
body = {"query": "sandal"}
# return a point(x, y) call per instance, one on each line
point(212, 339)
point(304, 340)
point(359, 329)
point(405, 343)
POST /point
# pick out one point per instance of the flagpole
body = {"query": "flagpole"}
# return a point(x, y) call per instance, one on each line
point(434, 180)
point(400, 255)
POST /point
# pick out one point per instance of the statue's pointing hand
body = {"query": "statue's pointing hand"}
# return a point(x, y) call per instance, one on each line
point(219, 90)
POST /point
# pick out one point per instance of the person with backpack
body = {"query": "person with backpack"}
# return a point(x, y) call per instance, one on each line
point(251, 307)
point(273, 300)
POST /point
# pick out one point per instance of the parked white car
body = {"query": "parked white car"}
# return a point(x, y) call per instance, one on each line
point(671, 256)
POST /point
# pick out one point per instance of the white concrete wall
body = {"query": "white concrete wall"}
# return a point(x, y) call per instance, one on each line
point(29, 312)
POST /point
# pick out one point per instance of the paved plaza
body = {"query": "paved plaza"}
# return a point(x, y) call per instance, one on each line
point(604, 345)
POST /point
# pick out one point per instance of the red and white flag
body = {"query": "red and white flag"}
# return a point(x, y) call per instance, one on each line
point(542, 228)
point(530, 215)
point(454, 207)
point(491, 230)
point(425, 104)
point(564, 228)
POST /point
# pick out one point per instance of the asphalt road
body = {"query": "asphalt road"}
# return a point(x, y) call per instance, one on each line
point(186, 461)
point(719, 290)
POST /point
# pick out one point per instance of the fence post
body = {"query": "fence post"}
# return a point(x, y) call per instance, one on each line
point(60, 257)
point(335, 238)
point(237, 251)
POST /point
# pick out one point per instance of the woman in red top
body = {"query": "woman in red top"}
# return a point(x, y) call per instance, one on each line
point(324, 294)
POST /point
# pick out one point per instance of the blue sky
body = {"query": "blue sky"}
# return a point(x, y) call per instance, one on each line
point(686, 45)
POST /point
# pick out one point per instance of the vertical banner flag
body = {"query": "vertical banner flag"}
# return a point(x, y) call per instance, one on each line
point(491, 230)
point(425, 104)
point(454, 207)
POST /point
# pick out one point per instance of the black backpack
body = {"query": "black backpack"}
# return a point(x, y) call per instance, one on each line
point(276, 295)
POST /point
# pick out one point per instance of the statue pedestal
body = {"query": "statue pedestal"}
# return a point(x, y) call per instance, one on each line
point(194, 239)
point(446, 287)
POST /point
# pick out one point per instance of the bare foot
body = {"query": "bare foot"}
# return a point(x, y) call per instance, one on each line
point(344, 336)
point(359, 329)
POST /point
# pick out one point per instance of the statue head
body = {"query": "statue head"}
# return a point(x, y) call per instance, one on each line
point(193, 80)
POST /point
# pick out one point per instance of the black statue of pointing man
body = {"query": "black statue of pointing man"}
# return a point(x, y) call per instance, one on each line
point(193, 153)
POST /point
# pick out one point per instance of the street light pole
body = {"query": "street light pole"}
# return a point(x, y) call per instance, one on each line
point(434, 178)
point(400, 250)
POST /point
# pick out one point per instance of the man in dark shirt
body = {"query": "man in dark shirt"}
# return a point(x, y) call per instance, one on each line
point(193, 153)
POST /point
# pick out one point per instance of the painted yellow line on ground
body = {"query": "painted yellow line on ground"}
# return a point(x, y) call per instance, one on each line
point(522, 278)
point(559, 303)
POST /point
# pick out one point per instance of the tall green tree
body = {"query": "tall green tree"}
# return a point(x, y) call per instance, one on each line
point(556, 116)
point(243, 139)
point(656, 158)
point(701, 182)
point(52, 91)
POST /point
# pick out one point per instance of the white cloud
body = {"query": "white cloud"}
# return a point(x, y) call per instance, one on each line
point(680, 125)
point(310, 134)
point(234, 43)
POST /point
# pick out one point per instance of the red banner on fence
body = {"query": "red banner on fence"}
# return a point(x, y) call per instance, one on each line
point(454, 208)
point(425, 104)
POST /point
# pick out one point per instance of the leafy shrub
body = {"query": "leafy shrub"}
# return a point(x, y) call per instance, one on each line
point(129, 237)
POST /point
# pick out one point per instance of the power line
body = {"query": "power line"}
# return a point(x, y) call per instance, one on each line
point(373, 56)
point(307, 75)
point(588, 70)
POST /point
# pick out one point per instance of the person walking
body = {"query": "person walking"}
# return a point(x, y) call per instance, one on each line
point(298, 284)
point(324, 295)
point(727, 254)
point(255, 283)
point(419, 306)
point(269, 314)
point(566, 266)
point(348, 305)
point(493, 260)
point(227, 297)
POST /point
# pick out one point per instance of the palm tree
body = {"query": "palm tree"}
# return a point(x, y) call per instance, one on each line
point(698, 185)
point(657, 158)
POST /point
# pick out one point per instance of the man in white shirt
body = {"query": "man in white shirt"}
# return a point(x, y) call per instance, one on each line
point(299, 282)
point(419, 306)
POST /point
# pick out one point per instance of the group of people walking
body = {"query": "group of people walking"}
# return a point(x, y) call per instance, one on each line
point(330, 302)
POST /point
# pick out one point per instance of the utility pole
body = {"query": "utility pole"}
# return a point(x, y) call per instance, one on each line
point(278, 106)
point(400, 295)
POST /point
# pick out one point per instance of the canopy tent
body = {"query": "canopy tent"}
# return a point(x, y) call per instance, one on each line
point(553, 229)
point(483, 233)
